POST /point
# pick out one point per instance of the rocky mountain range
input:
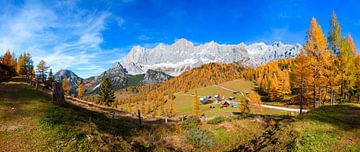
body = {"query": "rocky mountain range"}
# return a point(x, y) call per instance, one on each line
point(153, 76)
point(183, 55)
point(71, 77)
point(118, 76)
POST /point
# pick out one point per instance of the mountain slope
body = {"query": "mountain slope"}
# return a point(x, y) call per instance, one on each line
point(183, 55)
point(120, 78)
point(117, 75)
point(153, 76)
point(71, 77)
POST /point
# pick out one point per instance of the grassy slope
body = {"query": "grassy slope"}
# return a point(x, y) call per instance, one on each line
point(329, 128)
point(29, 121)
point(183, 101)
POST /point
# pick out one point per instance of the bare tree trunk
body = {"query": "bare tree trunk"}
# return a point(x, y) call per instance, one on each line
point(301, 99)
point(314, 95)
point(58, 94)
point(139, 116)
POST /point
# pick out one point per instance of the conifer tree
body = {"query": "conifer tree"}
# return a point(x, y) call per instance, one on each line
point(334, 34)
point(9, 59)
point(143, 108)
point(51, 77)
point(315, 48)
point(244, 105)
point(20, 67)
point(302, 76)
point(106, 94)
point(66, 86)
point(42, 68)
point(28, 63)
point(255, 99)
point(196, 105)
point(171, 108)
point(81, 90)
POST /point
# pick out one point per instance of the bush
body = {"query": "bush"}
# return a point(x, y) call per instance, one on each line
point(201, 137)
point(216, 120)
point(191, 122)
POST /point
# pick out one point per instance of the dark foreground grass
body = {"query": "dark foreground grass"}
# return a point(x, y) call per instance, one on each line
point(29, 121)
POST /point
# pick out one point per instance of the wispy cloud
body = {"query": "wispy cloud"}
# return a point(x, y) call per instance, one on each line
point(144, 37)
point(70, 38)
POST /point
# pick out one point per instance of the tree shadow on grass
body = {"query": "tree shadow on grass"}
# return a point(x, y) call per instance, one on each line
point(344, 116)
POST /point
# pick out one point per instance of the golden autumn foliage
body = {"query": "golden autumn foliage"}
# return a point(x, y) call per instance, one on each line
point(273, 78)
point(255, 99)
point(66, 86)
point(171, 105)
point(196, 105)
point(205, 75)
point(9, 59)
point(316, 74)
point(81, 89)
point(243, 107)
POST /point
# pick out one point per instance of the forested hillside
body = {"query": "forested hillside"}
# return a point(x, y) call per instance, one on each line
point(326, 71)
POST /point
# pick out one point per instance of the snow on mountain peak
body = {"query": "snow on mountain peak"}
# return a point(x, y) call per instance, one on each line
point(183, 55)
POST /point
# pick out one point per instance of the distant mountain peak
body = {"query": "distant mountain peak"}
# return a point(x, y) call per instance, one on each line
point(183, 55)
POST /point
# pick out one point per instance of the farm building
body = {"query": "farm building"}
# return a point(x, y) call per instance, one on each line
point(205, 100)
point(235, 104)
point(225, 104)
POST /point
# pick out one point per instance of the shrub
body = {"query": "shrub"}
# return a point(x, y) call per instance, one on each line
point(201, 137)
point(216, 120)
point(191, 122)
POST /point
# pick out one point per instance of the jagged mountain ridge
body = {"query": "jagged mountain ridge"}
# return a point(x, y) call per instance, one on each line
point(72, 78)
point(184, 55)
point(120, 78)
point(153, 76)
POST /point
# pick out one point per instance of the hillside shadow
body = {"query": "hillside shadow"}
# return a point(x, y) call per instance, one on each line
point(344, 116)
point(15, 100)
point(70, 121)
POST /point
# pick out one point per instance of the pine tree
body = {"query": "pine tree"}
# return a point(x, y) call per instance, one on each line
point(42, 68)
point(196, 105)
point(29, 68)
point(51, 77)
point(106, 94)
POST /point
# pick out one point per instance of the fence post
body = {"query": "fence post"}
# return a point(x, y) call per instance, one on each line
point(139, 116)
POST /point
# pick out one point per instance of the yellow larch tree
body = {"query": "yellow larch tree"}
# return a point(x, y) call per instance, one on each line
point(196, 105)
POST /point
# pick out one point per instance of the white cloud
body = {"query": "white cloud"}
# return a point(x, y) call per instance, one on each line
point(144, 37)
point(63, 35)
point(120, 21)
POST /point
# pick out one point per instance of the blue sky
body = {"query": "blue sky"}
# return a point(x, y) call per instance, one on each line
point(88, 36)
